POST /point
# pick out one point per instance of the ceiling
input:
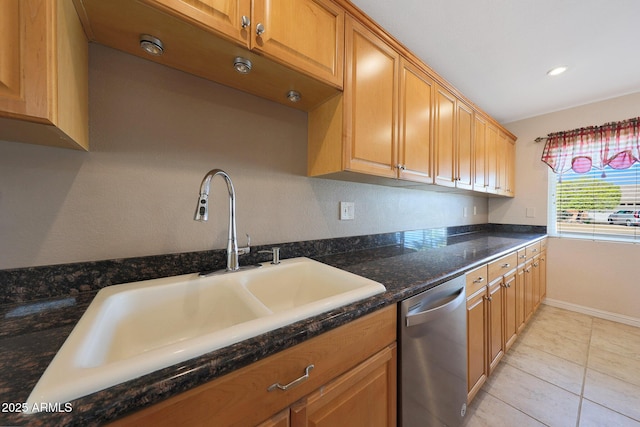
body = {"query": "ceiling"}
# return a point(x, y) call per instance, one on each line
point(497, 52)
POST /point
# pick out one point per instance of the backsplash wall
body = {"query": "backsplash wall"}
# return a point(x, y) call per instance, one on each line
point(154, 133)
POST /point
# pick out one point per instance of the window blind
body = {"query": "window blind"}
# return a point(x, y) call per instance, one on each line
point(600, 204)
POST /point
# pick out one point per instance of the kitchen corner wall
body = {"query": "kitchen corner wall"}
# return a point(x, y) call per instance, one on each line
point(598, 278)
point(154, 133)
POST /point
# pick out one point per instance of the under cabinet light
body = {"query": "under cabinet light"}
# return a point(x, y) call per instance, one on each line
point(242, 65)
point(151, 45)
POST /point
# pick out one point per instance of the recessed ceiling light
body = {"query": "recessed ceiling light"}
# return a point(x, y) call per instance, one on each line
point(556, 71)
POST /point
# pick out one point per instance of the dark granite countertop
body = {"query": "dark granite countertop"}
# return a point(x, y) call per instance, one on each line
point(32, 332)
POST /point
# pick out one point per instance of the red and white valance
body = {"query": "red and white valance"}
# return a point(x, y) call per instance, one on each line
point(616, 145)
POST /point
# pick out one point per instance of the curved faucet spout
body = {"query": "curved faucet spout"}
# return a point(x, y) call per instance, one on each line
point(202, 214)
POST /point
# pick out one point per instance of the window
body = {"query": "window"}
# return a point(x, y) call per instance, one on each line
point(600, 204)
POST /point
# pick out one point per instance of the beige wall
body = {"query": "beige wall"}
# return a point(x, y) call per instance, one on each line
point(583, 275)
point(154, 133)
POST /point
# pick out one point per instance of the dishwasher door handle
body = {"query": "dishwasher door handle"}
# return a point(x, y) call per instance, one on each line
point(427, 315)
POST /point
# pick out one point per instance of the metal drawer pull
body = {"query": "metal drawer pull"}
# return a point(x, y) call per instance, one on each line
point(479, 280)
point(292, 383)
point(507, 265)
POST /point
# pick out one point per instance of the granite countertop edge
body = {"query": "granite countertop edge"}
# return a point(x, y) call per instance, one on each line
point(123, 399)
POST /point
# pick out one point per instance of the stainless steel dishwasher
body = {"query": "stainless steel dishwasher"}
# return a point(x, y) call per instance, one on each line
point(433, 357)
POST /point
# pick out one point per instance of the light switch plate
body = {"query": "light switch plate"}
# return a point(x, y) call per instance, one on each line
point(347, 211)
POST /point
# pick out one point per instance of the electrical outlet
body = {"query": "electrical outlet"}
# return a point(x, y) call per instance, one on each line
point(347, 211)
point(531, 212)
point(465, 212)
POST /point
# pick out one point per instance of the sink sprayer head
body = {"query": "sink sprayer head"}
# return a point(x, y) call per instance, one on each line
point(202, 210)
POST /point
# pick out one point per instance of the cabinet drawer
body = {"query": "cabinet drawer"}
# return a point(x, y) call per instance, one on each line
point(476, 279)
point(522, 256)
point(502, 266)
point(543, 244)
point(242, 397)
point(532, 250)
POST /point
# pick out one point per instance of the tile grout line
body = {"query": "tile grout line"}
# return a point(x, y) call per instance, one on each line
point(584, 375)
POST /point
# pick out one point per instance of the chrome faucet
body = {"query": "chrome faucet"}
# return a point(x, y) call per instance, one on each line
point(202, 214)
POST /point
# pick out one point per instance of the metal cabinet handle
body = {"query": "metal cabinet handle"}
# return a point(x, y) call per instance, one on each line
point(245, 22)
point(507, 265)
point(292, 383)
point(489, 299)
point(479, 280)
point(260, 29)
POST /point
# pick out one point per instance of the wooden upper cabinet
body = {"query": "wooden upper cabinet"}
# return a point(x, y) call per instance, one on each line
point(305, 34)
point(24, 45)
point(479, 153)
point(508, 171)
point(370, 102)
point(453, 121)
point(228, 18)
point(492, 173)
point(415, 133)
point(444, 136)
point(464, 147)
point(43, 74)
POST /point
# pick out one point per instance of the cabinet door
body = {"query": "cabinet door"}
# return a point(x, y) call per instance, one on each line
point(223, 17)
point(528, 290)
point(536, 281)
point(479, 154)
point(26, 86)
point(445, 137)
point(279, 420)
point(543, 275)
point(476, 342)
point(508, 187)
point(492, 159)
point(510, 301)
point(370, 102)
point(365, 396)
point(416, 97)
point(520, 298)
point(464, 147)
point(307, 35)
point(496, 324)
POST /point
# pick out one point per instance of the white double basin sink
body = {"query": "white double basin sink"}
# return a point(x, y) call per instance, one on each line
point(136, 328)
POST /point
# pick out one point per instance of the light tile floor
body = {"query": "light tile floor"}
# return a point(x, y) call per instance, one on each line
point(565, 370)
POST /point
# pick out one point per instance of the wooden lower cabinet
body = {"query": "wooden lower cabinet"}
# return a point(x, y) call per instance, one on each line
point(543, 274)
point(281, 419)
point(477, 330)
point(535, 273)
point(510, 309)
point(496, 323)
point(501, 297)
point(364, 396)
point(354, 377)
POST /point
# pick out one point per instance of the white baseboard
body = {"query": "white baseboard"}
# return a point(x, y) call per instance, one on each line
point(614, 317)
